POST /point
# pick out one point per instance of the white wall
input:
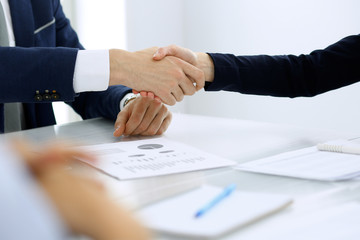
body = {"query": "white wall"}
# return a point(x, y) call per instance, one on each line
point(64, 113)
point(155, 23)
point(101, 24)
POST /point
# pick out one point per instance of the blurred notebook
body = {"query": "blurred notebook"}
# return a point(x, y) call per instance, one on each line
point(311, 163)
point(176, 215)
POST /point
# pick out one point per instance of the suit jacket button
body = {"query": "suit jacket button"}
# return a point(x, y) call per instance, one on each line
point(38, 97)
point(47, 97)
point(55, 96)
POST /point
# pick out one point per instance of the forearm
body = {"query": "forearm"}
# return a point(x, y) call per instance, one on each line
point(289, 75)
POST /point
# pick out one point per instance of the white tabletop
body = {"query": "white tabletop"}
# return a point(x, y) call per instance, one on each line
point(234, 139)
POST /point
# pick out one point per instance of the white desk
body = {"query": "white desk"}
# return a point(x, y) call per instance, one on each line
point(231, 138)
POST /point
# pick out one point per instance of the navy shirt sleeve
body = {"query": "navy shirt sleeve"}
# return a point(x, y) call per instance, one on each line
point(287, 75)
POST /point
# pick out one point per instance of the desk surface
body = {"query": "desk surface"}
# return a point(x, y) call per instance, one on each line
point(234, 139)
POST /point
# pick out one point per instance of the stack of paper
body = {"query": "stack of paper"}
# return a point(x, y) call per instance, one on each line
point(308, 163)
point(153, 157)
point(177, 215)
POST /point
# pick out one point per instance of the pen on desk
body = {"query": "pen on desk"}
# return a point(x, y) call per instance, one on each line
point(340, 148)
point(225, 193)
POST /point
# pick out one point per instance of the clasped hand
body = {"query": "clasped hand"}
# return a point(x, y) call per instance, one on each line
point(169, 79)
point(147, 115)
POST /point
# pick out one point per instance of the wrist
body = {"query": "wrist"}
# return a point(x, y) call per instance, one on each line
point(118, 73)
point(127, 99)
point(206, 64)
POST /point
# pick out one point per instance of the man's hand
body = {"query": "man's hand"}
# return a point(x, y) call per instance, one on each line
point(169, 79)
point(200, 60)
point(145, 115)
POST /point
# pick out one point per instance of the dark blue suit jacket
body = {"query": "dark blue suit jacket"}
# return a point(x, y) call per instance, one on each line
point(44, 59)
point(289, 76)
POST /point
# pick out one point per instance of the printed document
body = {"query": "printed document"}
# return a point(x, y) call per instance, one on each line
point(151, 157)
point(308, 163)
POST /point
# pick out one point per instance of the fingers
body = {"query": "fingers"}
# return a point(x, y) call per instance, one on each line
point(74, 154)
point(193, 75)
point(165, 78)
point(143, 116)
point(165, 124)
point(138, 109)
point(159, 123)
point(178, 92)
point(187, 64)
point(170, 97)
point(158, 99)
point(27, 152)
point(58, 156)
point(167, 98)
point(121, 121)
point(161, 53)
point(187, 74)
point(185, 54)
point(149, 116)
point(148, 94)
point(54, 155)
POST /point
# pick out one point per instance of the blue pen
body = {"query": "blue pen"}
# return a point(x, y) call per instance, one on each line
point(225, 193)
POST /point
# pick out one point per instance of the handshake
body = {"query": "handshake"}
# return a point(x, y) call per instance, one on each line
point(169, 73)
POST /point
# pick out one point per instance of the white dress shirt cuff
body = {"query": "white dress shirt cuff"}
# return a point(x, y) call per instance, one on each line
point(92, 71)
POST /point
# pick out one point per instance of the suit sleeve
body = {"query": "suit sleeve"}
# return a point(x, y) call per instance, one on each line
point(26, 70)
point(289, 76)
point(100, 104)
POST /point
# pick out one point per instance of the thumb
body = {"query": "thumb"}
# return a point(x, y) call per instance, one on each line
point(183, 53)
point(161, 53)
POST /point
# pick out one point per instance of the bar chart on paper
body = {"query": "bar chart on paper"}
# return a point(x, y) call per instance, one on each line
point(151, 157)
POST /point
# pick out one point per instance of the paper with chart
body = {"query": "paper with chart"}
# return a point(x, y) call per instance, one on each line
point(308, 163)
point(152, 157)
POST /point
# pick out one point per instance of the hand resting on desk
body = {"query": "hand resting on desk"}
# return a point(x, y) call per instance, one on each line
point(146, 115)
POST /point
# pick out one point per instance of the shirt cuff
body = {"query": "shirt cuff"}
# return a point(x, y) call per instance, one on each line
point(92, 71)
